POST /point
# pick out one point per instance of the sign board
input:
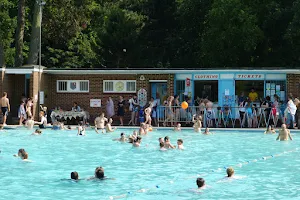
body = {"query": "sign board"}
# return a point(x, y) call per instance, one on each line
point(249, 76)
point(188, 82)
point(206, 76)
point(42, 97)
point(95, 103)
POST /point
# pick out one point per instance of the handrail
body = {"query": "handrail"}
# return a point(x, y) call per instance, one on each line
point(226, 116)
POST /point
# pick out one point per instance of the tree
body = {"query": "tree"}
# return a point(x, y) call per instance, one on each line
point(20, 34)
point(231, 35)
point(7, 25)
point(35, 33)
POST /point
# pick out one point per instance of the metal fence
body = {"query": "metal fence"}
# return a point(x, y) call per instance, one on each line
point(222, 117)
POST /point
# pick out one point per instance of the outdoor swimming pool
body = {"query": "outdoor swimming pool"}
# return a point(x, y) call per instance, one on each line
point(170, 175)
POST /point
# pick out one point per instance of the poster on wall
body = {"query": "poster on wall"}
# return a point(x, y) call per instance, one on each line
point(95, 103)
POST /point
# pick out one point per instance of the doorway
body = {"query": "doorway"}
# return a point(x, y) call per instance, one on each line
point(159, 91)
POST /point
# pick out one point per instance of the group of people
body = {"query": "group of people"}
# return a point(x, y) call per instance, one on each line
point(99, 175)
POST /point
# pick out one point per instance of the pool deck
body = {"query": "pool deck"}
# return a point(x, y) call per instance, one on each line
point(163, 128)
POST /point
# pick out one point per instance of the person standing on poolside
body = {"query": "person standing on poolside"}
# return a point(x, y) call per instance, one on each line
point(100, 123)
point(291, 109)
point(284, 134)
point(209, 112)
point(21, 113)
point(148, 115)
point(5, 107)
point(121, 111)
point(110, 108)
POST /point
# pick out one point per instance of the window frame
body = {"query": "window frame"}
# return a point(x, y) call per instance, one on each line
point(69, 90)
point(114, 86)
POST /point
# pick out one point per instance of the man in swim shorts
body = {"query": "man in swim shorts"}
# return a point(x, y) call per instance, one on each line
point(284, 134)
point(5, 107)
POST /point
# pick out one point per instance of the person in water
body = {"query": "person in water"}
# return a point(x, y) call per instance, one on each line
point(197, 123)
point(122, 138)
point(206, 132)
point(162, 146)
point(99, 173)
point(23, 155)
point(270, 130)
point(100, 123)
point(200, 183)
point(137, 142)
point(180, 144)
point(74, 176)
point(284, 134)
point(108, 126)
point(230, 172)
point(37, 132)
point(177, 128)
point(81, 129)
point(168, 144)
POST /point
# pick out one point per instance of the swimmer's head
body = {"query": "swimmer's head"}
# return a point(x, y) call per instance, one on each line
point(21, 152)
point(206, 129)
point(230, 171)
point(200, 182)
point(42, 113)
point(38, 131)
point(160, 140)
point(179, 141)
point(110, 120)
point(102, 115)
point(122, 135)
point(178, 125)
point(161, 144)
point(138, 139)
point(283, 126)
point(200, 117)
point(167, 139)
point(74, 176)
point(99, 172)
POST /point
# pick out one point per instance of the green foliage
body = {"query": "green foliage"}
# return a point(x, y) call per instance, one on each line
point(160, 33)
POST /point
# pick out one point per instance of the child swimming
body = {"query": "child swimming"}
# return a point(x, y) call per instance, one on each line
point(197, 123)
point(177, 128)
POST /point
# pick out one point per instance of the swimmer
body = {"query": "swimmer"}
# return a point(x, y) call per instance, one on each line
point(180, 144)
point(23, 155)
point(197, 123)
point(168, 144)
point(142, 129)
point(201, 183)
point(56, 126)
point(206, 132)
point(99, 123)
point(162, 146)
point(230, 172)
point(20, 152)
point(122, 138)
point(81, 129)
point(108, 126)
point(74, 176)
point(37, 132)
point(270, 130)
point(43, 122)
point(177, 128)
point(99, 174)
point(137, 142)
point(284, 134)
point(161, 140)
point(29, 123)
point(130, 139)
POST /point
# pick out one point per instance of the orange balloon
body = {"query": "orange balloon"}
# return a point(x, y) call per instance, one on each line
point(184, 105)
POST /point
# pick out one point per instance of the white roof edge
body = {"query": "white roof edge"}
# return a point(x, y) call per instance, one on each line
point(174, 71)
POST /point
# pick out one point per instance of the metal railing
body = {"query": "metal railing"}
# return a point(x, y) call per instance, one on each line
point(222, 117)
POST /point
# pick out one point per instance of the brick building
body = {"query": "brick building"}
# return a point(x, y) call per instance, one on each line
point(61, 87)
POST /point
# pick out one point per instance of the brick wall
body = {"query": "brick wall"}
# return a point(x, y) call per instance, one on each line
point(65, 100)
point(293, 84)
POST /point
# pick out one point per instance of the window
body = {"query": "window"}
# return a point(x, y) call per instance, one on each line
point(180, 89)
point(76, 86)
point(130, 86)
point(206, 89)
point(119, 86)
point(61, 86)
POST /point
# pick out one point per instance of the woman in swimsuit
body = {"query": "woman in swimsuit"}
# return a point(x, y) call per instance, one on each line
point(169, 111)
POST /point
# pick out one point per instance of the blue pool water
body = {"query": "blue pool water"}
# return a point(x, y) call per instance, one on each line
point(168, 175)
